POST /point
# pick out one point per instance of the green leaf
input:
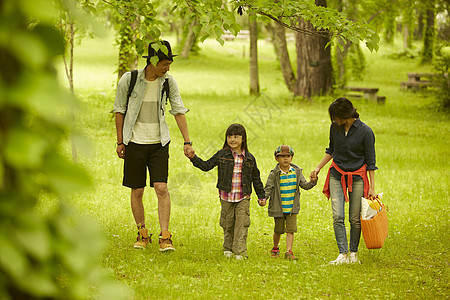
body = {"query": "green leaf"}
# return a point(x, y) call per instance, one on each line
point(66, 177)
point(12, 259)
point(25, 149)
point(42, 10)
point(154, 60)
point(52, 37)
point(39, 283)
point(29, 49)
point(197, 29)
point(220, 40)
point(35, 238)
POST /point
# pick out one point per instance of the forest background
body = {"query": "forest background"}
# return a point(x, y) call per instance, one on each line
point(66, 228)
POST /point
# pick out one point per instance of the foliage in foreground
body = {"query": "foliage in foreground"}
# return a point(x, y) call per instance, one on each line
point(52, 255)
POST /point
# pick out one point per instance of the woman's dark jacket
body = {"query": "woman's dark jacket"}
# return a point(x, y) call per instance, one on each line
point(225, 160)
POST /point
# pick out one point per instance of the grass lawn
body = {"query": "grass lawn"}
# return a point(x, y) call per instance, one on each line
point(412, 147)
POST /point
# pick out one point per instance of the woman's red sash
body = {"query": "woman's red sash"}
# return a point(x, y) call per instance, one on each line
point(361, 172)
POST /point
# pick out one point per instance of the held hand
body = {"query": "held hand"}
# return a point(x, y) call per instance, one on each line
point(189, 151)
point(262, 202)
point(313, 178)
point(314, 174)
point(121, 151)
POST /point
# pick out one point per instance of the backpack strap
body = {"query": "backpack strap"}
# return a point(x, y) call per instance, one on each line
point(134, 74)
point(165, 89)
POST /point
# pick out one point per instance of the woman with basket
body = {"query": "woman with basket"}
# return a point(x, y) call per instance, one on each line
point(352, 148)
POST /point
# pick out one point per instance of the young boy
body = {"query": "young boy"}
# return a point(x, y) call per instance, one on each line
point(282, 190)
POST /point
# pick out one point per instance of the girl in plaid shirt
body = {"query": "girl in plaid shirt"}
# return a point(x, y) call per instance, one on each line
point(237, 171)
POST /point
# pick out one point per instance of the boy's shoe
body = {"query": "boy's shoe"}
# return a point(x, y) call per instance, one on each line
point(341, 259)
point(290, 256)
point(275, 252)
point(353, 258)
point(227, 253)
point(165, 242)
point(142, 239)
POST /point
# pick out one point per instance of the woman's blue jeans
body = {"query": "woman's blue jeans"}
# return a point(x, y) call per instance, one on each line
point(338, 207)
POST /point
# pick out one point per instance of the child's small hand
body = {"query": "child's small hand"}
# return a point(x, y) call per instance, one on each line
point(313, 178)
point(262, 202)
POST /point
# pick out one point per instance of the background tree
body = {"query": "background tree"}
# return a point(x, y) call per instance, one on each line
point(70, 30)
point(316, 26)
point(430, 32)
point(314, 69)
point(53, 254)
point(253, 65)
point(278, 38)
point(137, 24)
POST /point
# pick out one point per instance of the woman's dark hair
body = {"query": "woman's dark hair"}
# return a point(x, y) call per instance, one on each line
point(342, 108)
point(236, 129)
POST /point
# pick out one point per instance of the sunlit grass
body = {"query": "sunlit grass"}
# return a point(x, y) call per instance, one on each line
point(412, 155)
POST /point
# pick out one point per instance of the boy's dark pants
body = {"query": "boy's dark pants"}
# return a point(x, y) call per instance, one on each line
point(235, 220)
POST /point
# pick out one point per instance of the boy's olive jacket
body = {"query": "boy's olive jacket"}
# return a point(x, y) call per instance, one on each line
point(273, 192)
point(224, 159)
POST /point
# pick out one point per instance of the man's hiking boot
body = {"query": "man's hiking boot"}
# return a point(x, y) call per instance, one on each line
point(165, 242)
point(143, 239)
point(275, 252)
point(290, 256)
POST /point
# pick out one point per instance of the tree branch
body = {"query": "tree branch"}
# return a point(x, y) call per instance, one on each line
point(322, 33)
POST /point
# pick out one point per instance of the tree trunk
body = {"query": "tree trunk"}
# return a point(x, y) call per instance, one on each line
point(279, 43)
point(70, 34)
point(254, 79)
point(418, 32)
point(430, 34)
point(341, 57)
point(128, 58)
point(314, 69)
point(405, 37)
point(190, 40)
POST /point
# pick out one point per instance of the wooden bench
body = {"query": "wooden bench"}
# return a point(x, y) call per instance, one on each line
point(370, 94)
point(416, 80)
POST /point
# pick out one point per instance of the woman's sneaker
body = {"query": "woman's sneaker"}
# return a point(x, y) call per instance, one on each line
point(290, 256)
point(275, 252)
point(341, 259)
point(353, 258)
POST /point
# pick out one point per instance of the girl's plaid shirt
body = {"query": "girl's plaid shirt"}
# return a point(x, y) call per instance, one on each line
point(236, 193)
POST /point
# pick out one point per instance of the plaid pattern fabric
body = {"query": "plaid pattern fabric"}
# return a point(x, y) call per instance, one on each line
point(236, 194)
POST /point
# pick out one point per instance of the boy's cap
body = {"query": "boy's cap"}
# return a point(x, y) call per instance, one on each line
point(284, 150)
point(161, 55)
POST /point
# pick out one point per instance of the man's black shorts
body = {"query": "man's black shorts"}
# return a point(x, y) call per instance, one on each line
point(138, 158)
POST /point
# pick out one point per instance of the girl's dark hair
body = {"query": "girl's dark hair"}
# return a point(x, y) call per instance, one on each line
point(236, 129)
point(342, 108)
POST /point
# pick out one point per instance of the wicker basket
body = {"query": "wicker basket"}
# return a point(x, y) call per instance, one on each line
point(375, 230)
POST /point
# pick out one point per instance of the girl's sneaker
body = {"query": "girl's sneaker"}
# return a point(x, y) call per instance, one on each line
point(353, 258)
point(275, 252)
point(341, 259)
point(290, 256)
point(227, 253)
